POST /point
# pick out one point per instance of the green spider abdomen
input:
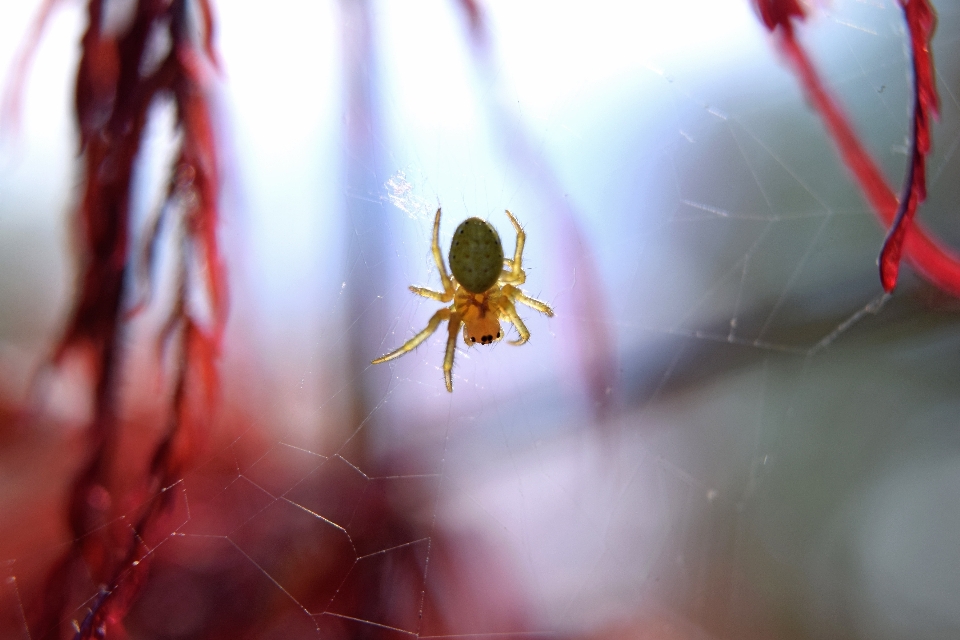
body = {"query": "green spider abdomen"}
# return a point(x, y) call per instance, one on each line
point(476, 255)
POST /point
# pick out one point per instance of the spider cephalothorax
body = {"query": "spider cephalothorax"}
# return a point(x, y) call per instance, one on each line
point(483, 290)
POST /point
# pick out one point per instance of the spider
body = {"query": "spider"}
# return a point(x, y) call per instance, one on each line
point(483, 290)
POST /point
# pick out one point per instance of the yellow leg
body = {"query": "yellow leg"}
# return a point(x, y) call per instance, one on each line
point(511, 275)
point(454, 329)
point(516, 274)
point(414, 342)
point(512, 293)
point(433, 295)
point(533, 303)
point(509, 312)
point(438, 257)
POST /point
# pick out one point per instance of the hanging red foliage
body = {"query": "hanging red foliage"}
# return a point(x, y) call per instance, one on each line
point(935, 262)
point(164, 52)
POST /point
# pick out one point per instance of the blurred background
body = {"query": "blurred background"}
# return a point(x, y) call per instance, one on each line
point(727, 431)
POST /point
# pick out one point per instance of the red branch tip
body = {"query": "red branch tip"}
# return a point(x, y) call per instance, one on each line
point(933, 261)
point(921, 22)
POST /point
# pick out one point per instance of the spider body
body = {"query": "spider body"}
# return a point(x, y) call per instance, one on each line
point(476, 255)
point(482, 291)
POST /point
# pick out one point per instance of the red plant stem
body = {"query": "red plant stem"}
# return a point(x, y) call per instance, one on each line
point(13, 92)
point(933, 261)
point(113, 102)
point(477, 23)
point(921, 22)
point(866, 172)
point(95, 323)
point(108, 610)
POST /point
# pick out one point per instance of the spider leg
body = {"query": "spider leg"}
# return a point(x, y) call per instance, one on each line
point(454, 328)
point(433, 295)
point(509, 312)
point(533, 303)
point(513, 293)
point(414, 342)
point(438, 258)
point(515, 275)
point(508, 276)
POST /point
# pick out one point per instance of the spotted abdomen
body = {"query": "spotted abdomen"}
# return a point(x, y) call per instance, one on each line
point(476, 255)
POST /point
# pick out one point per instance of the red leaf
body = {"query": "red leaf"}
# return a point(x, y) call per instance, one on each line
point(933, 261)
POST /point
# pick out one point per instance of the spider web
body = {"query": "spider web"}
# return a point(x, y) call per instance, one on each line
point(727, 431)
